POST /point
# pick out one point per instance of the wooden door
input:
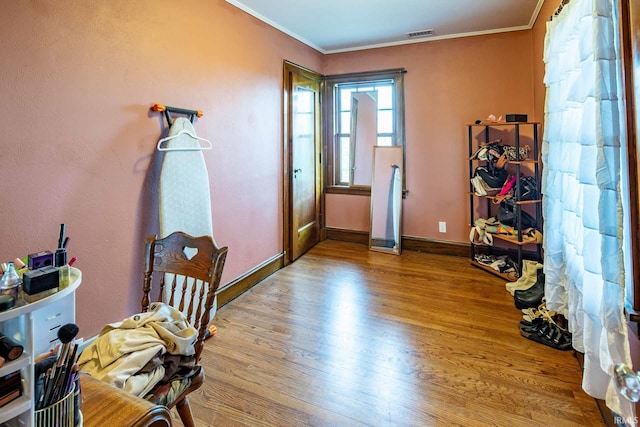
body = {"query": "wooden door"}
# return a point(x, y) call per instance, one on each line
point(303, 172)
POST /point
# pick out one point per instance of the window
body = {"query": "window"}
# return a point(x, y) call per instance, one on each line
point(349, 155)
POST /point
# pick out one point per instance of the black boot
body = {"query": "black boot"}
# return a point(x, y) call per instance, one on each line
point(531, 297)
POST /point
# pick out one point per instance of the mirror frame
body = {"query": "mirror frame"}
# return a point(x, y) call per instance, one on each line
point(386, 191)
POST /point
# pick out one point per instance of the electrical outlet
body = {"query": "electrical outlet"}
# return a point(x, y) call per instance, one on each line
point(442, 227)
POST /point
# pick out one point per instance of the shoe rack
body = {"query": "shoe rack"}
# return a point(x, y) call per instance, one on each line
point(480, 134)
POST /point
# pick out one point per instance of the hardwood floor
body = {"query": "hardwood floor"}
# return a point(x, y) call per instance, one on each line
point(349, 337)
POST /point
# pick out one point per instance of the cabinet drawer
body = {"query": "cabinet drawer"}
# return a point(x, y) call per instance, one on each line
point(47, 320)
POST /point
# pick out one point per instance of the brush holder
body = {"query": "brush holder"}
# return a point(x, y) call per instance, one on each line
point(60, 414)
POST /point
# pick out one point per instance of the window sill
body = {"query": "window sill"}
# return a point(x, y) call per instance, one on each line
point(355, 191)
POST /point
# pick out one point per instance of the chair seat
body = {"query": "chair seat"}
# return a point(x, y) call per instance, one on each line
point(167, 393)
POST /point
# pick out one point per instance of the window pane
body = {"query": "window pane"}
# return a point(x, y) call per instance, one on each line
point(385, 141)
point(345, 99)
point(339, 92)
point(302, 101)
point(385, 97)
point(344, 159)
point(345, 122)
point(385, 121)
point(303, 124)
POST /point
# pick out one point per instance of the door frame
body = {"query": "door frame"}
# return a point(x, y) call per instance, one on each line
point(287, 152)
point(630, 46)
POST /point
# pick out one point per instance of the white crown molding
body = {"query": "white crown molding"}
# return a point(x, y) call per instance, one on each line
point(535, 14)
point(267, 21)
point(274, 25)
point(430, 39)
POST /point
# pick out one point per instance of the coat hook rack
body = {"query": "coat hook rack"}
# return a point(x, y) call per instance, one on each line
point(161, 108)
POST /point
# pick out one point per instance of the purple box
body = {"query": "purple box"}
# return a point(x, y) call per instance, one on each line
point(40, 259)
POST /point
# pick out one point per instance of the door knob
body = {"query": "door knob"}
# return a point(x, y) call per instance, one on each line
point(627, 382)
point(297, 170)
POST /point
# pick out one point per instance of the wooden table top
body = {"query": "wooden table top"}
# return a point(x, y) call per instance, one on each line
point(103, 404)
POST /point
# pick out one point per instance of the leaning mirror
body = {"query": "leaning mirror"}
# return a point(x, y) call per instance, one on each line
point(364, 135)
point(386, 199)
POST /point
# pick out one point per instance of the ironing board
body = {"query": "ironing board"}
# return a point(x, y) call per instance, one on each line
point(184, 196)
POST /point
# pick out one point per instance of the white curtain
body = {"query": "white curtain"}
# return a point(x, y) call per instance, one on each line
point(582, 201)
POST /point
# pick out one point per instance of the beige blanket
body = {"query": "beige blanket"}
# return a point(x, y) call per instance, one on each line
point(123, 348)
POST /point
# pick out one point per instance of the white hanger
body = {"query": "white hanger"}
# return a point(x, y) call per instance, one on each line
point(183, 132)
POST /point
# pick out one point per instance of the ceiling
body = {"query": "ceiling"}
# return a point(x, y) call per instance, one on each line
point(332, 26)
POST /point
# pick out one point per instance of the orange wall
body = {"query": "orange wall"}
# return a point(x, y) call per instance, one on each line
point(448, 83)
point(79, 141)
point(78, 144)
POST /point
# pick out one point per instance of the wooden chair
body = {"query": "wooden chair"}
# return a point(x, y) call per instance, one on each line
point(186, 281)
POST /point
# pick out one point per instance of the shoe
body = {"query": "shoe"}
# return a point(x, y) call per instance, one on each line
point(485, 259)
point(505, 265)
point(542, 312)
point(533, 296)
point(546, 333)
point(527, 278)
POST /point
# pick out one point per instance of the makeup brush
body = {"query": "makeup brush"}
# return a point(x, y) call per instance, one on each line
point(42, 369)
point(66, 374)
point(66, 334)
point(61, 238)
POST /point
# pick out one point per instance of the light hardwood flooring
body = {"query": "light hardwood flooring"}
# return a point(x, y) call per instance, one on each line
point(349, 337)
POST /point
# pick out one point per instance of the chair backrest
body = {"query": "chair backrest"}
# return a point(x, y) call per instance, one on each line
point(189, 270)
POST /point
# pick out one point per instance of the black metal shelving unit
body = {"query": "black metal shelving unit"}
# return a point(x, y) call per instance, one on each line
point(491, 208)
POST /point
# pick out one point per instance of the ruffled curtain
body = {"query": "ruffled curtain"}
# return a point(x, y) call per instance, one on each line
point(582, 201)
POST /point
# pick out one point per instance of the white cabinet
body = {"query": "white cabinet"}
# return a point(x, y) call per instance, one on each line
point(48, 319)
point(35, 327)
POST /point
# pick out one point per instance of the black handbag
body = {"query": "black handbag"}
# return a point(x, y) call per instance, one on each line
point(494, 177)
point(528, 188)
point(507, 216)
